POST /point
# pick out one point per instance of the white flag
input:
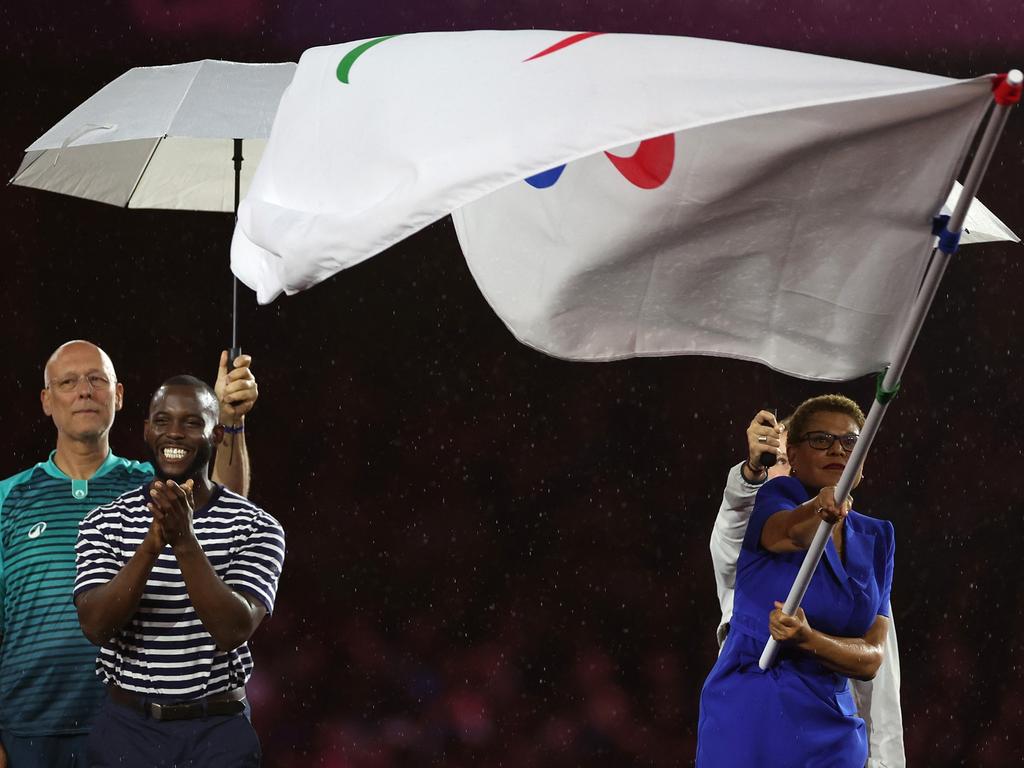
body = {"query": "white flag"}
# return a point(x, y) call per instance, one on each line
point(621, 195)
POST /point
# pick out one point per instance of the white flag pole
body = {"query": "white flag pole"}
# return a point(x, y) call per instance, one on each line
point(1007, 93)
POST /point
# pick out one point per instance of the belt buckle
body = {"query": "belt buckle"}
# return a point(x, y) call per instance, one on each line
point(182, 710)
point(178, 711)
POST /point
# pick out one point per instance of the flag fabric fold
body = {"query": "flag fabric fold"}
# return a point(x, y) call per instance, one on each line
point(623, 195)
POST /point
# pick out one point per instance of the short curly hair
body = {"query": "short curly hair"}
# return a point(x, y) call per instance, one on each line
point(831, 403)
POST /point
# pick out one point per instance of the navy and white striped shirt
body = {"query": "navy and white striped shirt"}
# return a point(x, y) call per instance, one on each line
point(164, 649)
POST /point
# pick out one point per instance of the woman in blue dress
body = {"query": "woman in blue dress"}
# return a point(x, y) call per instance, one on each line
point(800, 712)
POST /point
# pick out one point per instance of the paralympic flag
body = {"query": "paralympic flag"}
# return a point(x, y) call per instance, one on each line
point(623, 195)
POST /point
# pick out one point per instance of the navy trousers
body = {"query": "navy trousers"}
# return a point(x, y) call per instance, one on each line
point(45, 751)
point(125, 738)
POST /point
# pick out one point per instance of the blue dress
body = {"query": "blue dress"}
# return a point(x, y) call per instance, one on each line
point(798, 713)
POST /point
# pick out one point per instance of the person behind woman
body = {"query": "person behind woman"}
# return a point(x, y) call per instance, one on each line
point(801, 712)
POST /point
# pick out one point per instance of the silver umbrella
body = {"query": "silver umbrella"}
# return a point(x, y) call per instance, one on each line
point(164, 137)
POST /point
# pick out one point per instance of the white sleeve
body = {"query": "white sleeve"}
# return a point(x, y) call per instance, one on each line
point(727, 538)
point(878, 703)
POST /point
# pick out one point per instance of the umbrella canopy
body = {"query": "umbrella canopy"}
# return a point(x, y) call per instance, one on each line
point(161, 137)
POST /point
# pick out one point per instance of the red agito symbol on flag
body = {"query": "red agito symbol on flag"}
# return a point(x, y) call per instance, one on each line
point(648, 168)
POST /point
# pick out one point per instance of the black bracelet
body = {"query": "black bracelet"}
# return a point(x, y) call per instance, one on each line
point(233, 430)
point(757, 471)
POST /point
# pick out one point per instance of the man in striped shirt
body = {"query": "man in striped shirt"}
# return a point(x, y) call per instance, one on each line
point(173, 579)
point(49, 692)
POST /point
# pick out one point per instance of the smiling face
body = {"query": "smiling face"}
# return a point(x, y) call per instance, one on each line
point(181, 431)
point(82, 393)
point(819, 468)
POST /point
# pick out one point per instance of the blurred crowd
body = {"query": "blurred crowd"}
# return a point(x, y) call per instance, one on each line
point(497, 601)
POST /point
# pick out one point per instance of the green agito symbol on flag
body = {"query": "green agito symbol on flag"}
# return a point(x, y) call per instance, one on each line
point(349, 59)
point(345, 65)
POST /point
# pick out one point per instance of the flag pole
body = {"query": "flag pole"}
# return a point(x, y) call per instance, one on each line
point(1006, 92)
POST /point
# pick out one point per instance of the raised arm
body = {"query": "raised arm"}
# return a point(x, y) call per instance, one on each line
point(237, 393)
point(731, 525)
point(763, 434)
point(229, 616)
point(857, 657)
point(105, 609)
point(727, 540)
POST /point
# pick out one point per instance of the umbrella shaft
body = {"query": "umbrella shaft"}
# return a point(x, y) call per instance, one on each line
point(237, 159)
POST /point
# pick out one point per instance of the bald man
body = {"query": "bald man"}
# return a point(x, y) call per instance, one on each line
point(49, 691)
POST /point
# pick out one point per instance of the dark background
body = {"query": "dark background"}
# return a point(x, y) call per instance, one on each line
point(496, 558)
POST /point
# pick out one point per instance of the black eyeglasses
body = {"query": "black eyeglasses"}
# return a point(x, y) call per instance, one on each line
point(822, 441)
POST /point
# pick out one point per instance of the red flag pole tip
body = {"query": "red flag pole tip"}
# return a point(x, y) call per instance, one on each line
point(1006, 89)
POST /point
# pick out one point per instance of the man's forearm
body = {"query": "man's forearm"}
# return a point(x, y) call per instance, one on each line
point(231, 467)
point(737, 503)
point(104, 610)
point(227, 616)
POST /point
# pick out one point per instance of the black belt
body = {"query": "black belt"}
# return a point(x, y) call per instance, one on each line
point(227, 703)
